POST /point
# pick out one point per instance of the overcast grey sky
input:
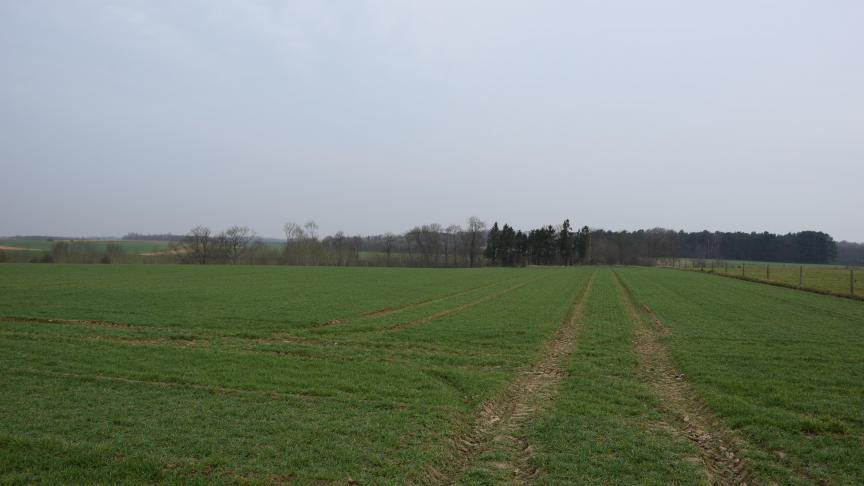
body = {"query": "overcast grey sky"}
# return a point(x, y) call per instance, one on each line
point(374, 116)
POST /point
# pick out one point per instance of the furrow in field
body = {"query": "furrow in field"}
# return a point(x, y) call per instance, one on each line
point(130, 340)
point(172, 384)
point(411, 305)
point(688, 415)
point(453, 310)
point(239, 346)
point(497, 422)
point(414, 305)
point(363, 317)
point(78, 322)
point(214, 389)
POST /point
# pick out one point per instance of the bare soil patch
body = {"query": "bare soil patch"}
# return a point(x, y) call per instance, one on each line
point(174, 252)
point(16, 248)
point(688, 414)
point(497, 422)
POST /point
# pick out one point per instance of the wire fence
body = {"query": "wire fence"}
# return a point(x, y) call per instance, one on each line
point(838, 280)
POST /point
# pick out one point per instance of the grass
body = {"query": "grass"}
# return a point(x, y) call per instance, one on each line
point(783, 368)
point(604, 426)
point(263, 374)
point(221, 373)
point(829, 279)
point(27, 245)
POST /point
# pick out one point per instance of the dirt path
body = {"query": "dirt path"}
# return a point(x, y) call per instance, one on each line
point(688, 415)
point(174, 252)
point(497, 422)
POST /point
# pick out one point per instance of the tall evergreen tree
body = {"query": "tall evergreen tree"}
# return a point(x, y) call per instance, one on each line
point(507, 245)
point(491, 251)
point(550, 245)
point(565, 243)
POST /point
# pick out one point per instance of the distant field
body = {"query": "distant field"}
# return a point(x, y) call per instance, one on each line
point(35, 245)
point(130, 246)
point(833, 279)
point(270, 374)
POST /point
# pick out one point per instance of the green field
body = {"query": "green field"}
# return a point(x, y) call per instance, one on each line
point(302, 375)
point(27, 244)
point(134, 247)
point(831, 279)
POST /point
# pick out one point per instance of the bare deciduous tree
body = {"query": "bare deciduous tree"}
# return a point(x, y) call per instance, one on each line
point(339, 243)
point(389, 241)
point(429, 242)
point(311, 229)
point(450, 233)
point(474, 237)
point(197, 245)
point(293, 232)
point(236, 240)
point(412, 240)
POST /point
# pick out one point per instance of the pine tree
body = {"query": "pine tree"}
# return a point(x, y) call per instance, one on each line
point(507, 245)
point(565, 243)
point(491, 251)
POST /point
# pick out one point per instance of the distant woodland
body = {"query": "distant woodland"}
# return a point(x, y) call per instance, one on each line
point(434, 245)
point(469, 245)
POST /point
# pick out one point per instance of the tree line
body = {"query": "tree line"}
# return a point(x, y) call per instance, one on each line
point(646, 246)
point(468, 245)
point(849, 253)
point(152, 237)
point(428, 245)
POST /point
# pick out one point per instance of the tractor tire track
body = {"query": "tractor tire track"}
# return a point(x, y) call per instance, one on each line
point(498, 420)
point(70, 322)
point(688, 415)
point(284, 396)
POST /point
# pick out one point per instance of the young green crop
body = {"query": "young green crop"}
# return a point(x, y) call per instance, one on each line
point(781, 367)
point(267, 374)
point(605, 427)
point(225, 374)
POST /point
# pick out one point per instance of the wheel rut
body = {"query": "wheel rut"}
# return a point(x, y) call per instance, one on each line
point(689, 416)
point(497, 422)
point(71, 322)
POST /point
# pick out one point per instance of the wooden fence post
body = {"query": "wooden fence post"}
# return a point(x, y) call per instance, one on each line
point(851, 281)
point(801, 277)
point(768, 272)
